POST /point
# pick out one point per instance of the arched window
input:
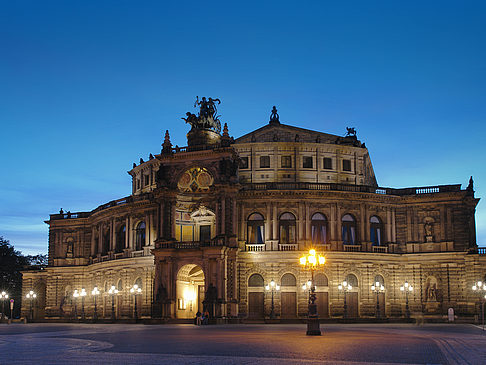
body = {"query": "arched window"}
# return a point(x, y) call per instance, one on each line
point(352, 280)
point(288, 280)
point(256, 280)
point(256, 228)
point(120, 285)
point(106, 242)
point(120, 239)
point(321, 280)
point(140, 236)
point(349, 229)
point(379, 279)
point(319, 228)
point(376, 231)
point(287, 228)
point(138, 282)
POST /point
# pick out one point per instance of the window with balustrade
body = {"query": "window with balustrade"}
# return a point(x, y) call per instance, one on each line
point(349, 230)
point(140, 236)
point(319, 229)
point(287, 228)
point(376, 231)
point(256, 226)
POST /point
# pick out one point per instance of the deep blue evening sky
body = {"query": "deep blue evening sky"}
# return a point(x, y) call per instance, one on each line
point(89, 87)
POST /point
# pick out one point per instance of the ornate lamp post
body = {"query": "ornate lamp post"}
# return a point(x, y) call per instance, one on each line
point(82, 294)
point(480, 288)
point(113, 291)
point(31, 297)
point(135, 290)
point(273, 288)
point(377, 288)
point(312, 262)
point(75, 296)
point(4, 297)
point(407, 288)
point(307, 286)
point(345, 287)
point(95, 293)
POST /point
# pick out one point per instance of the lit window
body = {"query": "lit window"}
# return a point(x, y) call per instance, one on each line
point(349, 229)
point(319, 228)
point(376, 229)
point(140, 236)
point(287, 228)
point(255, 228)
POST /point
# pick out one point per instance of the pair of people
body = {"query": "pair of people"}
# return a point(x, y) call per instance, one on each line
point(202, 318)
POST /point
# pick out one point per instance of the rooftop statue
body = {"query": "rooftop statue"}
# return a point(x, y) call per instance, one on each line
point(350, 132)
point(207, 117)
point(274, 117)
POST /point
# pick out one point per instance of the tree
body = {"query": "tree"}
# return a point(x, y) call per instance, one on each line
point(12, 263)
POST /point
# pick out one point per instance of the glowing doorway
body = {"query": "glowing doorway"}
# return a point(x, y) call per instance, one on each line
point(190, 291)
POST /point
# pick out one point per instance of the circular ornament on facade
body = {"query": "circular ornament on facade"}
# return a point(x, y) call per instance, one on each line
point(196, 179)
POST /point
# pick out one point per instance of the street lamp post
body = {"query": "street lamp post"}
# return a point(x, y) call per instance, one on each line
point(4, 297)
point(273, 288)
point(135, 290)
point(307, 287)
point(312, 261)
point(345, 287)
point(95, 293)
point(480, 288)
point(407, 288)
point(113, 291)
point(75, 300)
point(378, 288)
point(31, 297)
point(82, 294)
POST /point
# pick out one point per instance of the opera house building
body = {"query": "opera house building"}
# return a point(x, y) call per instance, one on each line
point(220, 225)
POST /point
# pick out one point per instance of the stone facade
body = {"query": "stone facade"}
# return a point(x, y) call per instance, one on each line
point(207, 226)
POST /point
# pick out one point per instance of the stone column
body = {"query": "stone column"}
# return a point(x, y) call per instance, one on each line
point(268, 225)
point(223, 215)
point(388, 225)
point(275, 222)
point(394, 227)
point(234, 216)
point(113, 235)
point(127, 232)
point(148, 229)
point(364, 223)
point(308, 234)
point(332, 223)
point(93, 248)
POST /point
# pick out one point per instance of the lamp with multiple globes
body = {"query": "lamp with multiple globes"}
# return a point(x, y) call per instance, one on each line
point(31, 297)
point(4, 297)
point(82, 295)
point(135, 290)
point(312, 262)
point(272, 287)
point(480, 288)
point(95, 292)
point(378, 288)
point(112, 292)
point(406, 288)
point(345, 287)
point(76, 296)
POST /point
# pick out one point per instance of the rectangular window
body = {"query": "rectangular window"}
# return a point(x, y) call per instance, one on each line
point(138, 183)
point(307, 162)
point(146, 178)
point(328, 163)
point(346, 165)
point(286, 162)
point(244, 163)
point(264, 162)
point(204, 233)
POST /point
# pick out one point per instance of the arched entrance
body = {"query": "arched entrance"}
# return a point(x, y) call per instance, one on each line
point(190, 291)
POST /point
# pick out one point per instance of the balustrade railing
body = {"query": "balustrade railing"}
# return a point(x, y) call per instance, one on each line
point(288, 246)
point(352, 248)
point(380, 249)
point(255, 247)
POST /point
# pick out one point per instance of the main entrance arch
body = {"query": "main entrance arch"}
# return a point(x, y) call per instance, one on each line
point(189, 291)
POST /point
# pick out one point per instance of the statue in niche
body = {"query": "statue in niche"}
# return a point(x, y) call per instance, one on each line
point(70, 249)
point(431, 290)
point(429, 231)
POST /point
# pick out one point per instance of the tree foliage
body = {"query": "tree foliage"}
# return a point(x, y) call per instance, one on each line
point(12, 263)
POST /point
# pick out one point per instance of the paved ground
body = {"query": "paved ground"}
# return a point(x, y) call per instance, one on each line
point(241, 344)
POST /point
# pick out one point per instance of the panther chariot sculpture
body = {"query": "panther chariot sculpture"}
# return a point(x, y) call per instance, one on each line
point(207, 117)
